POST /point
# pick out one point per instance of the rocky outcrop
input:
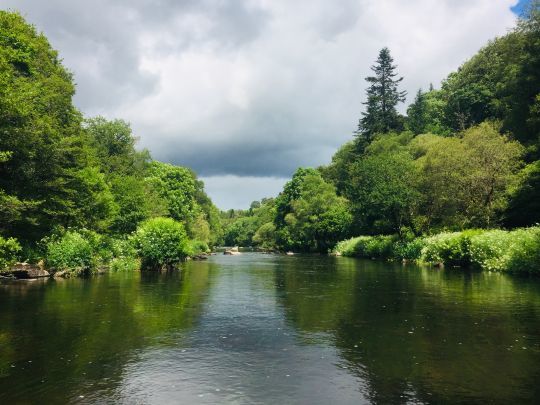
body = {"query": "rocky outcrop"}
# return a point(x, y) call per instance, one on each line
point(26, 270)
point(231, 252)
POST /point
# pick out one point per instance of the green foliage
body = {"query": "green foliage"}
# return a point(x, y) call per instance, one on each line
point(125, 264)
point(70, 251)
point(291, 191)
point(318, 218)
point(10, 250)
point(265, 237)
point(417, 114)
point(464, 181)
point(500, 82)
point(409, 249)
point(382, 191)
point(114, 145)
point(161, 243)
point(176, 185)
point(448, 248)
point(198, 246)
point(123, 256)
point(252, 227)
point(524, 198)
point(370, 247)
point(516, 251)
point(133, 199)
point(240, 232)
point(40, 130)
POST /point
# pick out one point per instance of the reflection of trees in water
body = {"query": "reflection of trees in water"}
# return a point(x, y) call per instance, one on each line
point(90, 329)
point(421, 334)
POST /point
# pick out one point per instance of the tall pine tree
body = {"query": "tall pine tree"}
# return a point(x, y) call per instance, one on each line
point(383, 96)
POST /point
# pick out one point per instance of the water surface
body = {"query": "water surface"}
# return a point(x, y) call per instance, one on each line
point(273, 329)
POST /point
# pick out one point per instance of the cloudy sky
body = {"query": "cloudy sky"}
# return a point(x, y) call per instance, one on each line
point(245, 91)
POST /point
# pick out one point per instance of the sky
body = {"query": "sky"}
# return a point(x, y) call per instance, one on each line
point(246, 91)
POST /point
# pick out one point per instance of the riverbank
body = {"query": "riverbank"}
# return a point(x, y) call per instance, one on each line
point(516, 251)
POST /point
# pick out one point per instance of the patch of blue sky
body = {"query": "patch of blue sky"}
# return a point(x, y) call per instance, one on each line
point(520, 7)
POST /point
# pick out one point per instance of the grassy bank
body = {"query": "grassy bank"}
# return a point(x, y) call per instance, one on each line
point(516, 251)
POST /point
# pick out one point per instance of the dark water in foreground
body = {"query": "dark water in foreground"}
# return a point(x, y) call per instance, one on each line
point(273, 329)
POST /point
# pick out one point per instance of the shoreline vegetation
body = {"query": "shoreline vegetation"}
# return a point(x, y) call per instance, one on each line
point(454, 182)
point(516, 251)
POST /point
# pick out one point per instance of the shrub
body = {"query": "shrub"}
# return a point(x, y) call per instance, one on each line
point(381, 246)
point(161, 242)
point(449, 248)
point(70, 252)
point(9, 252)
point(496, 250)
point(409, 249)
point(124, 256)
point(125, 263)
point(198, 247)
point(515, 251)
point(524, 255)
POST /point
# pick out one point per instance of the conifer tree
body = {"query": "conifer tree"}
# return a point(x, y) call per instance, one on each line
point(416, 114)
point(383, 96)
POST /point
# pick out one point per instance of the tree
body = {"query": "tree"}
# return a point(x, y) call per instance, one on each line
point(337, 172)
point(177, 186)
point(291, 191)
point(47, 170)
point(464, 181)
point(316, 217)
point(416, 114)
point(524, 205)
point(383, 96)
point(383, 192)
point(114, 144)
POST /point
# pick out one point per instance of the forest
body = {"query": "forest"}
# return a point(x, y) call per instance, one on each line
point(455, 181)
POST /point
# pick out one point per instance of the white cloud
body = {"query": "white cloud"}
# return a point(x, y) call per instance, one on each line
point(239, 191)
point(253, 87)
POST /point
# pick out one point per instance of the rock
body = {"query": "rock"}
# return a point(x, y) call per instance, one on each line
point(200, 257)
point(231, 252)
point(25, 270)
point(62, 274)
point(290, 253)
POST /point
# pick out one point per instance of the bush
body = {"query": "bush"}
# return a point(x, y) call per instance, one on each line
point(368, 246)
point(9, 252)
point(449, 248)
point(198, 247)
point(497, 250)
point(70, 252)
point(515, 251)
point(524, 255)
point(124, 256)
point(125, 263)
point(161, 242)
point(409, 249)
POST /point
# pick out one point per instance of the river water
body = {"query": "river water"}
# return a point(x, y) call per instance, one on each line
point(272, 329)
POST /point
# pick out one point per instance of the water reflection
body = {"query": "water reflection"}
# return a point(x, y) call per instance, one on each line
point(69, 338)
point(422, 335)
point(273, 329)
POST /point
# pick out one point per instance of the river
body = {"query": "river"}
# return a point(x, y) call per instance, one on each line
point(257, 328)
